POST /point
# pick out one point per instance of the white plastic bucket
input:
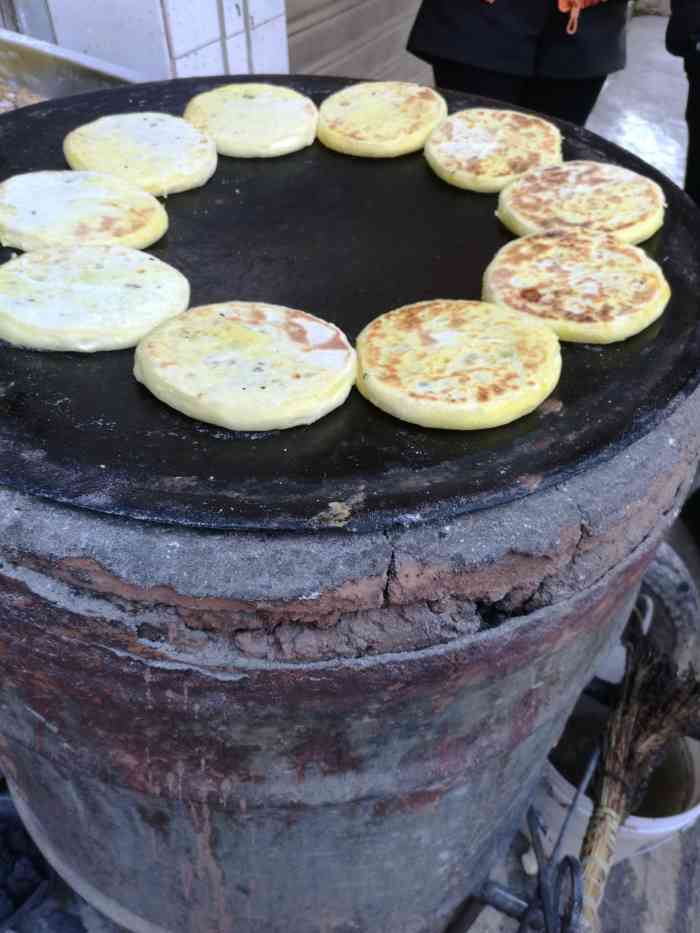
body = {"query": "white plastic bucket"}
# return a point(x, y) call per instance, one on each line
point(638, 834)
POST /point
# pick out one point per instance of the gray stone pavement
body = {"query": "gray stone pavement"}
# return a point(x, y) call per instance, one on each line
point(642, 108)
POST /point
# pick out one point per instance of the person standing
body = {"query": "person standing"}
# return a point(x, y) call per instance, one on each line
point(538, 54)
point(683, 39)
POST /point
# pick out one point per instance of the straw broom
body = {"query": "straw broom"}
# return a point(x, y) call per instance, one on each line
point(657, 704)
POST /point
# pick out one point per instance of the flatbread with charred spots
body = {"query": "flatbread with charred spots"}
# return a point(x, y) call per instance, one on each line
point(590, 288)
point(483, 149)
point(461, 365)
point(593, 196)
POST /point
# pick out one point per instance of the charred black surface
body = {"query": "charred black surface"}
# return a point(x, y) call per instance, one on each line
point(346, 239)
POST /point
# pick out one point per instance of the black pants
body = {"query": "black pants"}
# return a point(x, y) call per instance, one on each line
point(692, 115)
point(567, 98)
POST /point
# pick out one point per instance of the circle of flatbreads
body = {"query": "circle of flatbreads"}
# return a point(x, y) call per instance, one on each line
point(379, 119)
point(595, 196)
point(154, 151)
point(254, 120)
point(590, 288)
point(87, 298)
point(248, 366)
point(457, 364)
point(483, 149)
point(61, 208)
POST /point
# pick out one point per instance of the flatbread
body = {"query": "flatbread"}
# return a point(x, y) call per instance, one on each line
point(154, 151)
point(41, 209)
point(379, 119)
point(461, 365)
point(248, 366)
point(254, 120)
point(590, 288)
point(594, 196)
point(87, 298)
point(482, 149)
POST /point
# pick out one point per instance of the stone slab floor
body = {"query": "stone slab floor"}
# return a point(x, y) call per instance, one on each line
point(642, 108)
point(654, 893)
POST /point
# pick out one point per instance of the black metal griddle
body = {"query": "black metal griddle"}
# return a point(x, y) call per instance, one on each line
point(346, 239)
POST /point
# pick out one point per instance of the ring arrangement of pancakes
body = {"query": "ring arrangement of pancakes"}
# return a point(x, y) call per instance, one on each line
point(484, 150)
point(573, 274)
point(457, 364)
point(590, 288)
point(154, 151)
point(254, 120)
point(380, 119)
point(594, 196)
point(248, 367)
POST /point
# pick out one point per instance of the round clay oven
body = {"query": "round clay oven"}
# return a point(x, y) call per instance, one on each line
point(308, 681)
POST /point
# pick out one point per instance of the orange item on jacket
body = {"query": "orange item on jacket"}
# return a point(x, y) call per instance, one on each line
point(573, 8)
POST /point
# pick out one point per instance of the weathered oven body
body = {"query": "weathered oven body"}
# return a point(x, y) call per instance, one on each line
point(324, 732)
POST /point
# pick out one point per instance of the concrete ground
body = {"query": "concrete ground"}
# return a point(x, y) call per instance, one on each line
point(642, 109)
point(654, 893)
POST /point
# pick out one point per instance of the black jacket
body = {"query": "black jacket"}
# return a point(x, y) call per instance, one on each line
point(683, 33)
point(521, 37)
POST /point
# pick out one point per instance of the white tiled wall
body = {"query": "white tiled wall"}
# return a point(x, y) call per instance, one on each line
point(166, 38)
point(209, 60)
point(234, 16)
point(129, 32)
point(260, 11)
point(237, 52)
point(191, 25)
point(269, 51)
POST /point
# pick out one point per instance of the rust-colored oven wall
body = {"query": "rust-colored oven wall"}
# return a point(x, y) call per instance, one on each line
point(363, 795)
point(357, 38)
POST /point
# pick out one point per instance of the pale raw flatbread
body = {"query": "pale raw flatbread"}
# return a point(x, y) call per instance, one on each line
point(380, 119)
point(593, 196)
point(87, 298)
point(461, 365)
point(483, 149)
point(590, 288)
point(41, 209)
point(154, 151)
point(248, 366)
point(254, 120)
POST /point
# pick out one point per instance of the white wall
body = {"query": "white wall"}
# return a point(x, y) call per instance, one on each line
point(171, 38)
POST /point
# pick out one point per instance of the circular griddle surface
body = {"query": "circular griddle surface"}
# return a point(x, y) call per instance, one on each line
point(346, 239)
